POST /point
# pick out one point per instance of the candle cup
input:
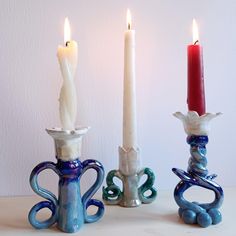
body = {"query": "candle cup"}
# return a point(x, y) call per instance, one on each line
point(69, 210)
point(129, 174)
point(204, 214)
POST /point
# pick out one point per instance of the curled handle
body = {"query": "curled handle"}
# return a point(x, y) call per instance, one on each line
point(147, 186)
point(112, 193)
point(51, 204)
point(87, 197)
point(188, 181)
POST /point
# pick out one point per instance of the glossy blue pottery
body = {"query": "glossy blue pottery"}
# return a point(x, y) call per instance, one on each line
point(69, 211)
point(203, 214)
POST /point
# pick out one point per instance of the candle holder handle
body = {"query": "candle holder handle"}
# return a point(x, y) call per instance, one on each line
point(51, 204)
point(188, 181)
point(70, 205)
point(87, 197)
point(147, 186)
point(69, 211)
point(132, 195)
point(112, 194)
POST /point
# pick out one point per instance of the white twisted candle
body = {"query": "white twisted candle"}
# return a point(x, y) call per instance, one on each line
point(67, 57)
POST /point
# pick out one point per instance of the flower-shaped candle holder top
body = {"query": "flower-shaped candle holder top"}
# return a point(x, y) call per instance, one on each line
point(195, 124)
point(204, 214)
point(130, 174)
point(69, 210)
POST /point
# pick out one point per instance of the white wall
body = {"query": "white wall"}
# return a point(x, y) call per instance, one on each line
point(30, 32)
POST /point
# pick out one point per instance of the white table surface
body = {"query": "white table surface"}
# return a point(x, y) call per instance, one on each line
point(159, 218)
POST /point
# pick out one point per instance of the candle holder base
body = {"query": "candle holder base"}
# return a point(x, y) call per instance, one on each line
point(129, 173)
point(69, 210)
point(203, 214)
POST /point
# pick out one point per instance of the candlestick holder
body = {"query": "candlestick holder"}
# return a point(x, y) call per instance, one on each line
point(204, 214)
point(130, 174)
point(69, 210)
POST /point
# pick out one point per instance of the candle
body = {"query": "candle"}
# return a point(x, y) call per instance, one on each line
point(129, 99)
point(67, 57)
point(196, 94)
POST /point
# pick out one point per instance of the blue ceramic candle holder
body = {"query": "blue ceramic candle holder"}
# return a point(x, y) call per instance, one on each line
point(203, 214)
point(69, 210)
point(129, 173)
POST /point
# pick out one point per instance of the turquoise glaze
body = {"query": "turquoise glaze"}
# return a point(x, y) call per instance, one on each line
point(69, 211)
point(132, 194)
point(203, 214)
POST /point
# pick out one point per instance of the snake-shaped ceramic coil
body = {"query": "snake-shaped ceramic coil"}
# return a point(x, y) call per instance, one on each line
point(132, 192)
point(197, 174)
point(69, 211)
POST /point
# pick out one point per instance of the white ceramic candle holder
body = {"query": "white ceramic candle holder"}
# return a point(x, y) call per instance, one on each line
point(130, 174)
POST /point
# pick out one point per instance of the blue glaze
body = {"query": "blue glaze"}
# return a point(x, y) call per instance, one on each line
point(215, 216)
point(70, 210)
point(204, 219)
point(189, 216)
point(192, 212)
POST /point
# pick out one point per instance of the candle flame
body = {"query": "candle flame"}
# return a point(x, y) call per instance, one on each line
point(195, 32)
point(67, 33)
point(128, 18)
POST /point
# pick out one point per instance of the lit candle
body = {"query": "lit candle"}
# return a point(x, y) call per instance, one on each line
point(67, 57)
point(196, 93)
point(129, 99)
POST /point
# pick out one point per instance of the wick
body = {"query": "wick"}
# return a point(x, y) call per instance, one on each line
point(196, 42)
point(67, 43)
point(129, 26)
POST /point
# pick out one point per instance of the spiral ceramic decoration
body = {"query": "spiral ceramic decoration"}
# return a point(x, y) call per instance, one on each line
point(203, 214)
point(129, 173)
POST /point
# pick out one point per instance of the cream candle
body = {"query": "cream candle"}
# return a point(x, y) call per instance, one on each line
point(129, 99)
point(67, 57)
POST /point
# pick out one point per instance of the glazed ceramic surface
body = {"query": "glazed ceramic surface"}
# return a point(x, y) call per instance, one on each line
point(69, 210)
point(129, 173)
point(203, 214)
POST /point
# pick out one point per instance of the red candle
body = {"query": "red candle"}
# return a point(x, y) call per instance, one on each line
point(196, 93)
